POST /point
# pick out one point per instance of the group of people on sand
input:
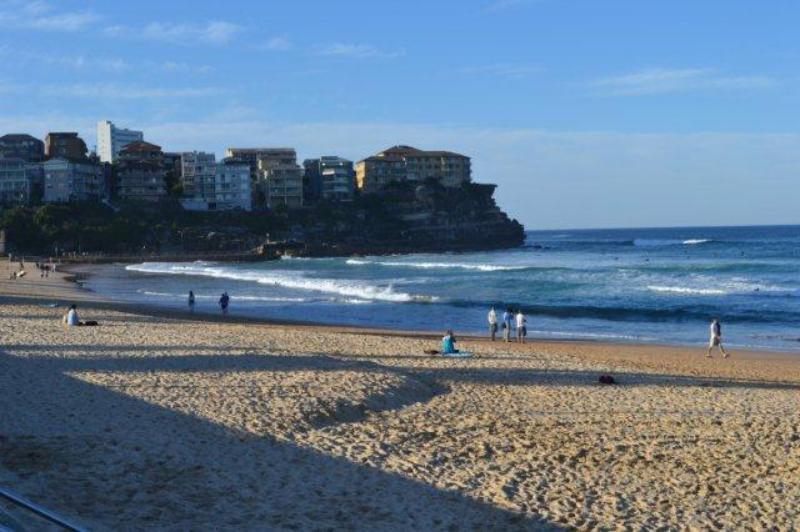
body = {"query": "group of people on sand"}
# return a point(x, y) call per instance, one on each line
point(518, 322)
point(511, 320)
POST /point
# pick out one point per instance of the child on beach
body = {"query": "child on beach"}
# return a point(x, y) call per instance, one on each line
point(716, 338)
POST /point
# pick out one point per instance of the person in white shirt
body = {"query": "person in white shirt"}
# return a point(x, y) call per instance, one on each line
point(716, 338)
point(71, 317)
point(522, 331)
point(492, 317)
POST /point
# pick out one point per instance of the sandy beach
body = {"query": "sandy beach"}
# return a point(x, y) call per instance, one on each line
point(146, 422)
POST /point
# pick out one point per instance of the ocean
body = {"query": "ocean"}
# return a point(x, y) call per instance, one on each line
point(627, 285)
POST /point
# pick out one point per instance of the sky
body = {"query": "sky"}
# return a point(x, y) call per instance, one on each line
point(593, 113)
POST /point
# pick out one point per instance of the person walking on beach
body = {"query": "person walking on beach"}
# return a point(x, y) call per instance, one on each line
point(223, 302)
point(492, 323)
point(191, 301)
point(522, 330)
point(508, 319)
point(716, 338)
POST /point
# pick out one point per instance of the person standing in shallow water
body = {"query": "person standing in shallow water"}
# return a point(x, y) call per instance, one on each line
point(191, 301)
point(716, 338)
point(223, 302)
point(492, 317)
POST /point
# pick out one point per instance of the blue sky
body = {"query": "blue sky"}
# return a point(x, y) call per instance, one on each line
point(586, 113)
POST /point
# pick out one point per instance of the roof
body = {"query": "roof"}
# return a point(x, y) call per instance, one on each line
point(18, 136)
point(140, 146)
point(400, 151)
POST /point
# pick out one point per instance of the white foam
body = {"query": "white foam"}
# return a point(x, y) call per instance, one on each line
point(294, 280)
point(687, 290)
point(436, 265)
point(655, 242)
point(215, 297)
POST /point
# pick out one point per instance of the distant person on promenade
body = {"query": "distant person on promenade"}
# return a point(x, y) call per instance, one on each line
point(522, 329)
point(508, 320)
point(492, 317)
point(191, 301)
point(223, 302)
point(716, 338)
point(449, 343)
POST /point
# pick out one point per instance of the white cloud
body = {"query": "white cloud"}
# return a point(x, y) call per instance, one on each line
point(503, 70)
point(184, 68)
point(665, 80)
point(110, 91)
point(277, 44)
point(215, 32)
point(40, 15)
point(76, 61)
point(359, 51)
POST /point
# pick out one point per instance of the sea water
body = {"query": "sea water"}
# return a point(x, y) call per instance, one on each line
point(638, 285)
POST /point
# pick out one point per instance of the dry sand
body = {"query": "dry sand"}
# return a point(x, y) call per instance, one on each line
point(145, 423)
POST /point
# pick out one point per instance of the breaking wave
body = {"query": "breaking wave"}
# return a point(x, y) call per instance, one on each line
point(293, 280)
point(435, 265)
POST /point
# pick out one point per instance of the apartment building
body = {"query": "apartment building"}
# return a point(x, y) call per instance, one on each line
point(68, 180)
point(15, 184)
point(405, 163)
point(330, 178)
point(65, 145)
point(209, 186)
point(233, 187)
point(21, 146)
point(280, 177)
point(141, 172)
point(112, 139)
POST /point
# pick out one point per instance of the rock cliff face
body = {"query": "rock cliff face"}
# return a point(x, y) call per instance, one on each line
point(406, 217)
point(418, 217)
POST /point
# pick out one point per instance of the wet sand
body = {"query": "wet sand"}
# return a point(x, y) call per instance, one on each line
point(148, 422)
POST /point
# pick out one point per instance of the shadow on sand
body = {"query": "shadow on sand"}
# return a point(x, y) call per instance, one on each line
point(117, 462)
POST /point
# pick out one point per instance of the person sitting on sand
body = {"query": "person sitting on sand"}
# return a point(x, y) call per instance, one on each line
point(716, 338)
point(71, 317)
point(492, 317)
point(449, 343)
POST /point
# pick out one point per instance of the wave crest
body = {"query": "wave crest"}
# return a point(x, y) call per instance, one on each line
point(292, 280)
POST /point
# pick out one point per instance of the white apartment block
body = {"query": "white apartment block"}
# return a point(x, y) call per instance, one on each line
point(111, 139)
point(208, 185)
point(233, 187)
